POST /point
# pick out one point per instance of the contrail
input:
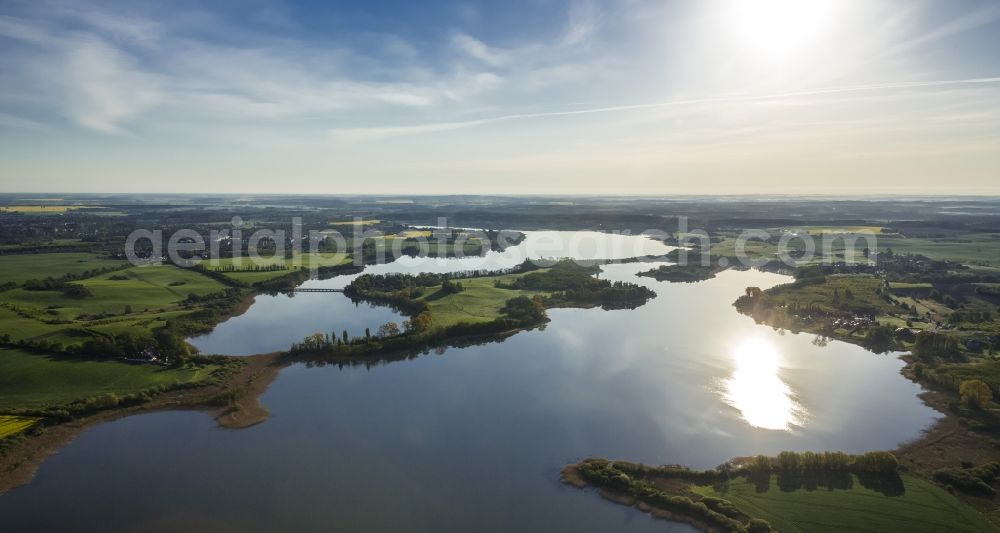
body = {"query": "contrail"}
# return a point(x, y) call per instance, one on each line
point(358, 134)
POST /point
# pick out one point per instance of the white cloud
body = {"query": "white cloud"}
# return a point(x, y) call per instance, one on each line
point(374, 133)
point(583, 20)
point(102, 88)
point(477, 49)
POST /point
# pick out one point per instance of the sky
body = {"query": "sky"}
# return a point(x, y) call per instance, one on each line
point(517, 97)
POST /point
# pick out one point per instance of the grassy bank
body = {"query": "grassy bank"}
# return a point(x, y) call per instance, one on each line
point(922, 506)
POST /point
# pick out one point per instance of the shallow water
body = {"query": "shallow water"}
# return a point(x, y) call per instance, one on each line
point(473, 439)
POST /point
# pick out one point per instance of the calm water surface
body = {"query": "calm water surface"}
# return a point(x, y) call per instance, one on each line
point(473, 439)
point(273, 323)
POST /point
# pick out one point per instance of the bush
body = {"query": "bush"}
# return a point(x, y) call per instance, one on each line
point(975, 393)
point(758, 526)
point(524, 310)
point(969, 479)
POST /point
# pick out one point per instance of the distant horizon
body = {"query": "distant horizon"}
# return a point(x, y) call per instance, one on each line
point(652, 195)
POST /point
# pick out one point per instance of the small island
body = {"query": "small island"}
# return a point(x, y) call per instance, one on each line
point(683, 273)
point(469, 307)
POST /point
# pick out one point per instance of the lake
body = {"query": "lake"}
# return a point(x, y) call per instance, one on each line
point(474, 438)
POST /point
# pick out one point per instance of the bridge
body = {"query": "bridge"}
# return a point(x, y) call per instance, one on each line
point(316, 290)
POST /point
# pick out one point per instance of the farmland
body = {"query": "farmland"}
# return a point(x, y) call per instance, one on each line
point(39, 209)
point(243, 268)
point(22, 267)
point(982, 249)
point(13, 424)
point(136, 299)
point(34, 381)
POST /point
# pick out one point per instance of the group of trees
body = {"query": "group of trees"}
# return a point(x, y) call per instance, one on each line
point(878, 338)
point(73, 290)
point(635, 481)
point(451, 287)
point(524, 310)
point(274, 267)
point(690, 273)
point(62, 282)
point(974, 317)
point(320, 342)
point(869, 462)
point(129, 345)
point(809, 275)
point(930, 345)
point(574, 284)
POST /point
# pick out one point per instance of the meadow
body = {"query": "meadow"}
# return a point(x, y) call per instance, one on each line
point(300, 259)
point(923, 506)
point(479, 302)
point(31, 380)
point(839, 293)
point(39, 209)
point(136, 299)
point(840, 230)
point(981, 249)
point(141, 289)
point(22, 267)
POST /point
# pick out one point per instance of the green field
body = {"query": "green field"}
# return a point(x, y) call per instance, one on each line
point(840, 230)
point(144, 299)
point(38, 209)
point(414, 233)
point(29, 380)
point(837, 293)
point(909, 286)
point(306, 259)
point(923, 507)
point(19, 268)
point(479, 302)
point(976, 249)
point(146, 288)
point(354, 222)
point(11, 424)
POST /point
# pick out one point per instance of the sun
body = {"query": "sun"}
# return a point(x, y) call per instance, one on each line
point(776, 30)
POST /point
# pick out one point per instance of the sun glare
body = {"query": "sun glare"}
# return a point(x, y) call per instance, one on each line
point(778, 29)
point(758, 392)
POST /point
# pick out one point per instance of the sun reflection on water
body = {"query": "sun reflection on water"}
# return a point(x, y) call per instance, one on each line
point(758, 392)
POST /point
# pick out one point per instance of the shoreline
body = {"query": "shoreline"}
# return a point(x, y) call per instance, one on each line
point(570, 475)
point(946, 442)
point(243, 389)
point(21, 462)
